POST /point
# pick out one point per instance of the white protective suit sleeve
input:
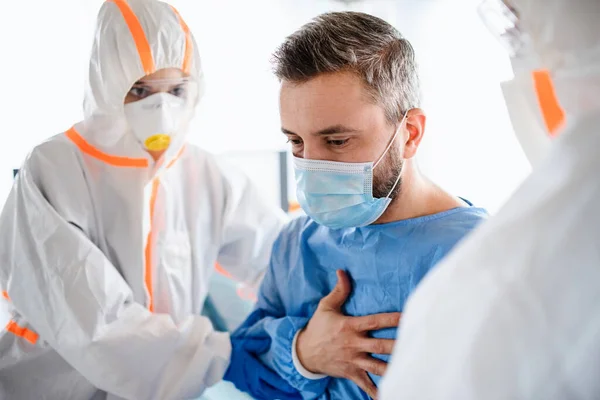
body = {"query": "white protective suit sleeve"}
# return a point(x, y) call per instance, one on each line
point(251, 228)
point(78, 303)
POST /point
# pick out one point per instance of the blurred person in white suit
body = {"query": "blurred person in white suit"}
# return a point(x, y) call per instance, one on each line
point(513, 312)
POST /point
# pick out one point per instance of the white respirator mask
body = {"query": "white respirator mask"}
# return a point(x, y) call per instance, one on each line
point(158, 119)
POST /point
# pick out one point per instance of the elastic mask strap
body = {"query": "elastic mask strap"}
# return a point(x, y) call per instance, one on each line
point(391, 142)
point(395, 184)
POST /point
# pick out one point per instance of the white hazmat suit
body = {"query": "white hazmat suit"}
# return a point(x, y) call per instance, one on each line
point(105, 254)
point(514, 312)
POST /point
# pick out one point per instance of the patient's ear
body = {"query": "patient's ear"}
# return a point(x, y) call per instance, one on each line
point(414, 129)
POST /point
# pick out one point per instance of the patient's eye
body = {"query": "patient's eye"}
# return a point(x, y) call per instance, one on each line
point(337, 142)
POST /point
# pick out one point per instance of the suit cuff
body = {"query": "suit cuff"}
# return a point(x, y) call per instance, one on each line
point(298, 365)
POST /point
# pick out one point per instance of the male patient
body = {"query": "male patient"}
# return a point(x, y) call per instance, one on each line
point(349, 107)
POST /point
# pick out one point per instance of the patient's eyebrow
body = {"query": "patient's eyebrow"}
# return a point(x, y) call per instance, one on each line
point(332, 130)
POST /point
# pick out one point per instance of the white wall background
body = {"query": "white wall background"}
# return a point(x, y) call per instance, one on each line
point(469, 147)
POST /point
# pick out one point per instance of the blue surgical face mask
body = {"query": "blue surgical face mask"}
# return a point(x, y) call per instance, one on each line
point(340, 195)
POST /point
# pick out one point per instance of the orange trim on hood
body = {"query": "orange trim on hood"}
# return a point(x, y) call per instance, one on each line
point(552, 112)
point(90, 150)
point(189, 44)
point(139, 37)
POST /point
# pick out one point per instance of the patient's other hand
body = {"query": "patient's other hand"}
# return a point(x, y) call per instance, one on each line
point(339, 346)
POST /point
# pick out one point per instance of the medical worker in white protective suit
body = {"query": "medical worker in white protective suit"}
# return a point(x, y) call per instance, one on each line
point(514, 312)
point(112, 230)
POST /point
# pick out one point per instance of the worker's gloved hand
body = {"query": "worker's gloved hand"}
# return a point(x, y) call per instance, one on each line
point(250, 375)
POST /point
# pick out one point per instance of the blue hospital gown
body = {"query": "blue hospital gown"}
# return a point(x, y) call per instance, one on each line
point(385, 263)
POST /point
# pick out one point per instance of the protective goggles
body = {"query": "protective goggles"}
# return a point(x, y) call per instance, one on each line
point(185, 88)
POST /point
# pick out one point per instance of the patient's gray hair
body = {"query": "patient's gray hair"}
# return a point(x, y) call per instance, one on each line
point(357, 42)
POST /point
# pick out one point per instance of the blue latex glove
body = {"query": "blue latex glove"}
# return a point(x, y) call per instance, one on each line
point(249, 375)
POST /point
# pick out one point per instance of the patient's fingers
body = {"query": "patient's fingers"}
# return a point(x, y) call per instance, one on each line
point(376, 321)
point(336, 299)
point(376, 346)
point(364, 382)
point(372, 365)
